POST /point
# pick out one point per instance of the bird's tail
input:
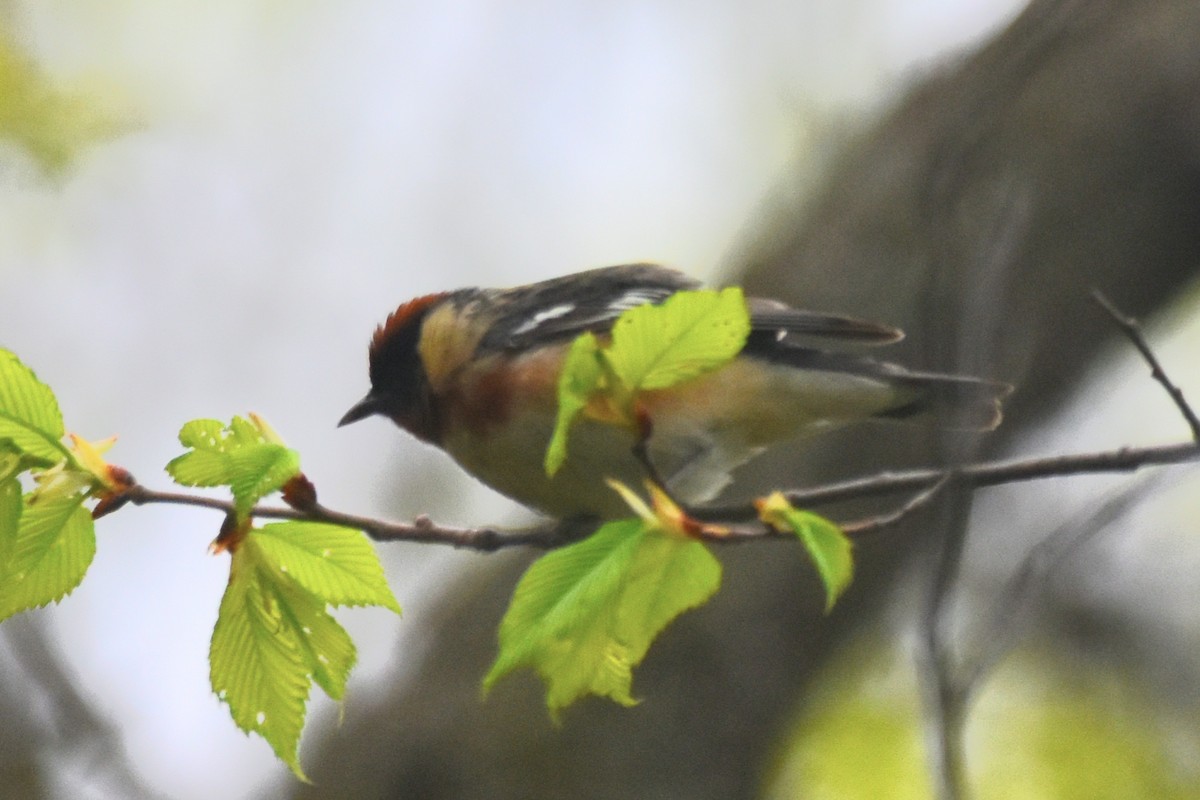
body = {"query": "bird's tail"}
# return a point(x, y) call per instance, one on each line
point(955, 402)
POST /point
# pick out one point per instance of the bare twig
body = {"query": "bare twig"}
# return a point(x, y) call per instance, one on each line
point(997, 636)
point(949, 681)
point(484, 539)
point(1002, 629)
point(975, 476)
point(943, 706)
point(550, 535)
point(858, 528)
point(1133, 331)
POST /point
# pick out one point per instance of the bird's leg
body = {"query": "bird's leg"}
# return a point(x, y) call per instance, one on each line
point(672, 515)
point(641, 447)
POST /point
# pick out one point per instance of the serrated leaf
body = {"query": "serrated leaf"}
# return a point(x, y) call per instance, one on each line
point(239, 456)
point(208, 463)
point(583, 616)
point(652, 347)
point(273, 638)
point(581, 375)
point(691, 333)
point(336, 564)
point(328, 649)
point(256, 664)
point(827, 545)
point(203, 434)
point(260, 471)
point(47, 548)
point(29, 415)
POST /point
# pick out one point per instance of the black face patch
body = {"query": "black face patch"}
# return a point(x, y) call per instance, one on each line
point(398, 379)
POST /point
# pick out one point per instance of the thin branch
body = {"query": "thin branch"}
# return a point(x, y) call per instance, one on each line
point(975, 476)
point(949, 681)
point(556, 534)
point(422, 529)
point(880, 522)
point(1003, 627)
point(943, 706)
point(1133, 331)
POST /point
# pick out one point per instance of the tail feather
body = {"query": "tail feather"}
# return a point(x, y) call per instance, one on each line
point(956, 402)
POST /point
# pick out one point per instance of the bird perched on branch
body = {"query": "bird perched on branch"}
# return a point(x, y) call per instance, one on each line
point(475, 372)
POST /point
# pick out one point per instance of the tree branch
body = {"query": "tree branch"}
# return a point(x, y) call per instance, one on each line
point(1002, 628)
point(976, 476)
point(422, 529)
point(925, 482)
point(886, 520)
point(1133, 331)
point(951, 677)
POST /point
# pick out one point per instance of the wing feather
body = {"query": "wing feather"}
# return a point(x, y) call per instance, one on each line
point(592, 301)
point(587, 301)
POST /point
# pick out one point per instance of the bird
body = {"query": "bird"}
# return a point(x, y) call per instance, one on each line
point(475, 372)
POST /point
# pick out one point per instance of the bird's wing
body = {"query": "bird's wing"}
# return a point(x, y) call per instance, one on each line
point(592, 301)
point(570, 306)
point(772, 316)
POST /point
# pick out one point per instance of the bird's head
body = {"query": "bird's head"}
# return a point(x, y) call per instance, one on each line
point(400, 387)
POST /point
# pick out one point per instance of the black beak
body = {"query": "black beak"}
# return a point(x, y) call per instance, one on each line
point(362, 409)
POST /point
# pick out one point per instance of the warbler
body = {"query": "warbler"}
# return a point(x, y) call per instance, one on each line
point(475, 372)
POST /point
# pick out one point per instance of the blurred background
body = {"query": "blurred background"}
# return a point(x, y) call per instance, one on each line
point(205, 209)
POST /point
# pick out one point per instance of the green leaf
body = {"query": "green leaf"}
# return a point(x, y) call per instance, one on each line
point(29, 415)
point(831, 551)
point(652, 347)
point(691, 333)
point(10, 519)
point(580, 377)
point(240, 456)
point(256, 664)
point(585, 615)
point(328, 649)
point(272, 640)
point(828, 546)
point(337, 564)
point(45, 548)
point(10, 461)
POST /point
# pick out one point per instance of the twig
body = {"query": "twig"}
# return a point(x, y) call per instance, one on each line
point(1133, 331)
point(998, 636)
point(1001, 631)
point(879, 522)
point(975, 476)
point(943, 706)
point(948, 681)
point(550, 535)
point(484, 539)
